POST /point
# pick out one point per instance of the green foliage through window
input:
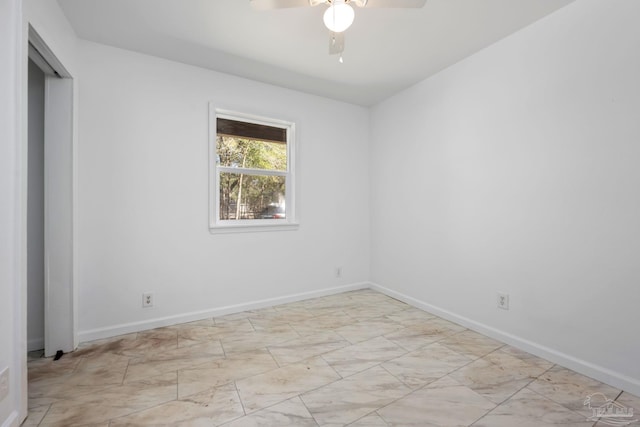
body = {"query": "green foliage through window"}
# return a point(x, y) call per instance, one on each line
point(248, 194)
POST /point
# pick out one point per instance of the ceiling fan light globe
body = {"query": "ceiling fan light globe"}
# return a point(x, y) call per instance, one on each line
point(338, 17)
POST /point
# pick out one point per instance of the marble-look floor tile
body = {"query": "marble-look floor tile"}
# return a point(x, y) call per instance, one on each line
point(442, 403)
point(47, 368)
point(630, 401)
point(200, 349)
point(263, 312)
point(328, 311)
point(569, 388)
point(420, 367)
point(222, 371)
point(617, 412)
point(232, 317)
point(165, 334)
point(367, 329)
point(103, 369)
point(410, 316)
point(331, 302)
point(530, 366)
point(153, 341)
point(101, 345)
point(372, 310)
point(303, 348)
point(529, 409)
point(608, 424)
point(288, 314)
point(137, 394)
point(322, 323)
point(445, 324)
point(220, 320)
point(301, 304)
point(291, 306)
point(421, 334)
point(105, 424)
point(268, 323)
point(204, 322)
point(471, 344)
point(112, 402)
point(46, 392)
point(362, 356)
point(199, 373)
point(35, 416)
point(197, 334)
point(242, 342)
point(373, 420)
point(351, 398)
point(208, 408)
point(291, 412)
point(263, 390)
point(154, 364)
point(527, 358)
point(34, 355)
point(630, 404)
point(369, 296)
point(498, 376)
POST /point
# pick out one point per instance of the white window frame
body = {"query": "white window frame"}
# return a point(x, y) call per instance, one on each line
point(216, 225)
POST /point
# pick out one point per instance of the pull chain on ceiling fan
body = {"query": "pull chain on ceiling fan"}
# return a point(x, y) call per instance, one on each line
point(339, 15)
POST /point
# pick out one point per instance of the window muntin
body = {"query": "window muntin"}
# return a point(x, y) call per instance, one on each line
point(251, 172)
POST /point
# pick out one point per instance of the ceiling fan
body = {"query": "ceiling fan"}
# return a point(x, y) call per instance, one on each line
point(339, 14)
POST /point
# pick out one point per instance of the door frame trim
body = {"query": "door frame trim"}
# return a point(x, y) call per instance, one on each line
point(60, 187)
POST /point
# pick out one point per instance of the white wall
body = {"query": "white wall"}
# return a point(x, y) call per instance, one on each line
point(516, 170)
point(35, 210)
point(10, 207)
point(143, 194)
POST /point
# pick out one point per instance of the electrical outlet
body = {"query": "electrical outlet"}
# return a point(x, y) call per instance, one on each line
point(4, 383)
point(338, 272)
point(503, 301)
point(147, 299)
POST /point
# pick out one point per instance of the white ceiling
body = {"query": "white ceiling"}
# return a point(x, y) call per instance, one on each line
point(386, 50)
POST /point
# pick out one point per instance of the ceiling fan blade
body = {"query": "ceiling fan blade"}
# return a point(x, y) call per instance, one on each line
point(391, 3)
point(336, 43)
point(282, 4)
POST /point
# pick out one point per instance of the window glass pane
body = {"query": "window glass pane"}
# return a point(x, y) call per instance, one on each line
point(251, 153)
point(245, 196)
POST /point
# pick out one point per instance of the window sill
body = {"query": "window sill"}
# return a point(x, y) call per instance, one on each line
point(252, 228)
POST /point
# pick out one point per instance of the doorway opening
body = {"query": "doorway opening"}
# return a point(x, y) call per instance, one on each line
point(49, 234)
point(35, 210)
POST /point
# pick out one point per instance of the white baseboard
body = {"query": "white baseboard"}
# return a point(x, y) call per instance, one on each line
point(127, 328)
point(600, 373)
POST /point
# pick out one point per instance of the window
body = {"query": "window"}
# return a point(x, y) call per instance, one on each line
point(251, 172)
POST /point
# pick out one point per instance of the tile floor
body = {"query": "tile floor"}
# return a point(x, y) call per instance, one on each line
point(357, 358)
